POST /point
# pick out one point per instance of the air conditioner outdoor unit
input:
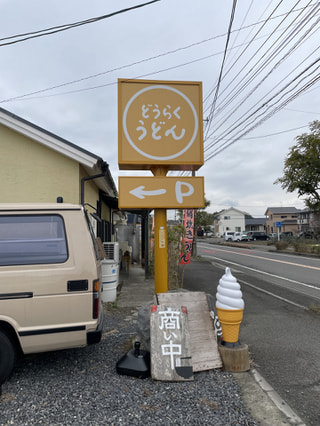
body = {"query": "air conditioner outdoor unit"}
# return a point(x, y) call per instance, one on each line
point(112, 251)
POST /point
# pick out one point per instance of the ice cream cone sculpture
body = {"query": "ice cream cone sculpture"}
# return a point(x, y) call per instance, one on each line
point(229, 306)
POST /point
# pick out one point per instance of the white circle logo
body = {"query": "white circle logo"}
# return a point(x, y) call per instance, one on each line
point(153, 109)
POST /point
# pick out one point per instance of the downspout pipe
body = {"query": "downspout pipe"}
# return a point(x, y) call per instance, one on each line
point(83, 180)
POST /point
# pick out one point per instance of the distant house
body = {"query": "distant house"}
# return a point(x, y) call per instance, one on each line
point(255, 224)
point(309, 222)
point(37, 166)
point(285, 217)
point(232, 219)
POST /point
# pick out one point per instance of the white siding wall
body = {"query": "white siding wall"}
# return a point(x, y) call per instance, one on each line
point(231, 220)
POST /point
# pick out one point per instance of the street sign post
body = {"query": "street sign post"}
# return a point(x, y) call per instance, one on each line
point(160, 129)
point(161, 192)
point(278, 225)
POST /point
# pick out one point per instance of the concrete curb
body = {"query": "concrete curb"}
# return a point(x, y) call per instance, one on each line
point(263, 402)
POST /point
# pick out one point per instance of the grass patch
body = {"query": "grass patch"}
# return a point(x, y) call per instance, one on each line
point(315, 309)
point(281, 245)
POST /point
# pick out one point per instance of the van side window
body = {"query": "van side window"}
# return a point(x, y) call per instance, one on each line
point(32, 239)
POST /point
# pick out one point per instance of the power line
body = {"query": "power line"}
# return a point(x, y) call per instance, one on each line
point(222, 64)
point(142, 61)
point(249, 77)
point(65, 27)
point(260, 82)
point(265, 107)
point(251, 41)
point(20, 97)
point(273, 134)
point(265, 117)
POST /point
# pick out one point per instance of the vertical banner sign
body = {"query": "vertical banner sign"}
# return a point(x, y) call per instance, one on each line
point(188, 223)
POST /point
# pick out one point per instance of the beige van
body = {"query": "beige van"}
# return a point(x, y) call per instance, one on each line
point(50, 281)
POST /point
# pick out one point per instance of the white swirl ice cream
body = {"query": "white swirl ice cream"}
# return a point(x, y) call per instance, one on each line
point(229, 295)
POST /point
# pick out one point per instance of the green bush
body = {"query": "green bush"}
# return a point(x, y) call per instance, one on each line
point(302, 247)
point(281, 245)
point(316, 248)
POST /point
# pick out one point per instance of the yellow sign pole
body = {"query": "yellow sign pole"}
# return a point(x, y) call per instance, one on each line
point(160, 243)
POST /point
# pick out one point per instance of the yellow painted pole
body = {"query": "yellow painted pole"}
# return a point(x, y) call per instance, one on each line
point(160, 243)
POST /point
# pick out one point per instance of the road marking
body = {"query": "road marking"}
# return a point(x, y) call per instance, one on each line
point(266, 258)
point(263, 272)
point(283, 299)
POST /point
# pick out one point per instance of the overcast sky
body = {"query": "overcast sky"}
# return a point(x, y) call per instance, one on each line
point(258, 96)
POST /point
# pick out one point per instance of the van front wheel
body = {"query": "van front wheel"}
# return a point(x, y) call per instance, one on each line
point(7, 356)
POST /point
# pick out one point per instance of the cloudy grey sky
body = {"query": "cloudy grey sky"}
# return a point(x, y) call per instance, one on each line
point(267, 94)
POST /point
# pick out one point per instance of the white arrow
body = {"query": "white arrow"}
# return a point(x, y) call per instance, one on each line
point(140, 193)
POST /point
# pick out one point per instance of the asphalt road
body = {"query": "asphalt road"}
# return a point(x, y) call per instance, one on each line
point(283, 336)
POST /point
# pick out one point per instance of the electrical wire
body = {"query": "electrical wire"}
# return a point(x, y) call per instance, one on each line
point(275, 134)
point(265, 77)
point(212, 109)
point(263, 118)
point(245, 122)
point(254, 69)
point(251, 41)
point(65, 27)
point(142, 61)
point(270, 103)
point(265, 104)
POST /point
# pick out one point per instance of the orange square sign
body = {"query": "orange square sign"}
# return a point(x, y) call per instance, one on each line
point(160, 124)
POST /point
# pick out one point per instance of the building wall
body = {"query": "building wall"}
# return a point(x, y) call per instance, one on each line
point(231, 220)
point(31, 172)
point(105, 212)
point(281, 217)
point(91, 191)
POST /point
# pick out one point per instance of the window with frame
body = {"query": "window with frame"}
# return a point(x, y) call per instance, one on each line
point(32, 239)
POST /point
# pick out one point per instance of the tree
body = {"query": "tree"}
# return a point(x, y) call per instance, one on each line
point(202, 218)
point(301, 171)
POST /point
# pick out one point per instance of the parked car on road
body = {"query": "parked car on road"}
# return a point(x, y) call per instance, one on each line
point(227, 236)
point(240, 236)
point(257, 235)
point(273, 236)
point(306, 234)
point(286, 235)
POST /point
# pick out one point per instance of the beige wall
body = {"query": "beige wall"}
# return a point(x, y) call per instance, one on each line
point(105, 213)
point(31, 172)
point(272, 218)
point(91, 191)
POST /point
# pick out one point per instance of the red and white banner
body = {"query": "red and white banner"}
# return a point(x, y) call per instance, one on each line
point(188, 223)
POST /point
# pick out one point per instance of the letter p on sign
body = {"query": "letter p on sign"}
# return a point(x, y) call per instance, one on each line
point(180, 194)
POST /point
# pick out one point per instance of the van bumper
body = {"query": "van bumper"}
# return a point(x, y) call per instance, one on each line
point(95, 336)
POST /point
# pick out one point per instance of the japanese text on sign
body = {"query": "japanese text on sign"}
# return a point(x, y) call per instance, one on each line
point(188, 222)
point(170, 320)
point(158, 120)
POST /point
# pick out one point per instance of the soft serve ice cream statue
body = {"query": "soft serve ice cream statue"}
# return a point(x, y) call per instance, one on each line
point(230, 307)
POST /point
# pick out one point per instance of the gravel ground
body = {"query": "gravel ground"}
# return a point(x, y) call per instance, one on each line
point(82, 387)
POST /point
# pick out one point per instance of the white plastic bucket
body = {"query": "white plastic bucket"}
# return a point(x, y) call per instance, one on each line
point(110, 273)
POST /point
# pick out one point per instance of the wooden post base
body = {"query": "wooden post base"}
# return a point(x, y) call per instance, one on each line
point(235, 359)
